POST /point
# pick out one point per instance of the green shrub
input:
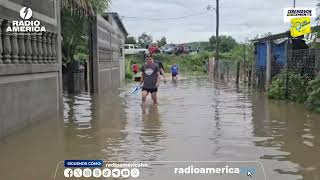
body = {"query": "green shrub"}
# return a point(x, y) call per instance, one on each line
point(313, 85)
point(313, 100)
point(295, 87)
point(188, 63)
point(277, 89)
point(128, 75)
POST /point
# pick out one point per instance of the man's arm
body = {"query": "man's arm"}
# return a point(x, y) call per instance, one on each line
point(162, 71)
point(158, 79)
point(142, 76)
point(141, 79)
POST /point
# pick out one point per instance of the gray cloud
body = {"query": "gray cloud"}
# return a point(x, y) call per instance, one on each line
point(238, 18)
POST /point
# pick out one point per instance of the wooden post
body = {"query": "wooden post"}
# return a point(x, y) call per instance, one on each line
point(268, 70)
point(1, 47)
point(253, 68)
point(217, 41)
point(250, 76)
point(244, 64)
point(238, 71)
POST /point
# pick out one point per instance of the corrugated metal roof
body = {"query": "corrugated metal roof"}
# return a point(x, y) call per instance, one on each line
point(281, 35)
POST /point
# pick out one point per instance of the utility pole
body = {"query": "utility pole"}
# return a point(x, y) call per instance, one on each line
point(294, 3)
point(217, 40)
point(244, 63)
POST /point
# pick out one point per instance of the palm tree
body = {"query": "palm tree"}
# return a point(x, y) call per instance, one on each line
point(82, 6)
point(86, 7)
point(75, 19)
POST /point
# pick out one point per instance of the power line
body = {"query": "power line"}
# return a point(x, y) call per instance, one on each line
point(183, 5)
point(170, 18)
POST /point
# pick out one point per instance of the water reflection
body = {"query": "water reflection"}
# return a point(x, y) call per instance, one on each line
point(93, 124)
point(174, 83)
point(78, 111)
point(294, 138)
point(152, 131)
point(32, 153)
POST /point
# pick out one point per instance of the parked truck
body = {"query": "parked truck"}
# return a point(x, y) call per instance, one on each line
point(134, 49)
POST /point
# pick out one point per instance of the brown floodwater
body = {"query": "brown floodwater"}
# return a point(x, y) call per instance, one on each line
point(195, 120)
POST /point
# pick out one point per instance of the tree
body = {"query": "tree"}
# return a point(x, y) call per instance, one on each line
point(162, 42)
point(74, 33)
point(226, 43)
point(131, 40)
point(82, 7)
point(145, 39)
point(75, 27)
point(100, 6)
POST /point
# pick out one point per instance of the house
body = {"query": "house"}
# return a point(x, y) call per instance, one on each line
point(277, 52)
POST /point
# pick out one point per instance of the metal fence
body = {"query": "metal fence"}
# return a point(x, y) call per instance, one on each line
point(305, 62)
point(229, 70)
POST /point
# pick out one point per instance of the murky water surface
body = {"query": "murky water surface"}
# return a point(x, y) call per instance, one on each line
point(195, 120)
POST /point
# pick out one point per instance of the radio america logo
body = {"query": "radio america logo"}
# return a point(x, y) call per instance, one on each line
point(26, 25)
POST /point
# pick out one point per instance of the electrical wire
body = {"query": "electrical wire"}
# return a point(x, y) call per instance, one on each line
point(183, 5)
point(170, 18)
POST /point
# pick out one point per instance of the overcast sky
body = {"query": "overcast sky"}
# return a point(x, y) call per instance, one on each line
point(239, 18)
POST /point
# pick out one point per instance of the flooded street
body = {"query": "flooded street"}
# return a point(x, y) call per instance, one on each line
point(195, 120)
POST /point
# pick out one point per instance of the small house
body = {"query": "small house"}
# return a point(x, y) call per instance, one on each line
point(278, 52)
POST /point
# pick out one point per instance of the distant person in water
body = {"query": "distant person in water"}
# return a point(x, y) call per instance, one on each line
point(150, 79)
point(174, 71)
point(135, 68)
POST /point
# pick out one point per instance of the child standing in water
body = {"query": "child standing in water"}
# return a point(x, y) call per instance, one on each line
point(174, 71)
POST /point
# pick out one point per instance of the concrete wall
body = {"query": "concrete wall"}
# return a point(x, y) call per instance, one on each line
point(30, 67)
point(108, 61)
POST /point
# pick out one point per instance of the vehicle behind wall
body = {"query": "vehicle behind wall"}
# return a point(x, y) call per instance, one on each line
point(134, 49)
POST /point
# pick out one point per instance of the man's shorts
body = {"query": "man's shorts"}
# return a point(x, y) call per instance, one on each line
point(174, 74)
point(150, 90)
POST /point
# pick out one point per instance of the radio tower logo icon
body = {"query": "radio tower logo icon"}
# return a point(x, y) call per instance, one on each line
point(25, 13)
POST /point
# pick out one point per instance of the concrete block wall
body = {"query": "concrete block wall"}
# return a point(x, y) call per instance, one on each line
point(109, 63)
point(30, 67)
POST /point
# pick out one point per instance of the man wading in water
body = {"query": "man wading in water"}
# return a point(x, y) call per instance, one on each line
point(150, 79)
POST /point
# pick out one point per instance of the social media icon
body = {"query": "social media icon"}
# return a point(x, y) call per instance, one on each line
point(77, 172)
point(68, 172)
point(87, 172)
point(106, 172)
point(116, 173)
point(135, 172)
point(125, 173)
point(96, 173)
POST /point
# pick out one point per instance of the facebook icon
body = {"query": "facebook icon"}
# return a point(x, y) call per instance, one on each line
point(68, 172)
